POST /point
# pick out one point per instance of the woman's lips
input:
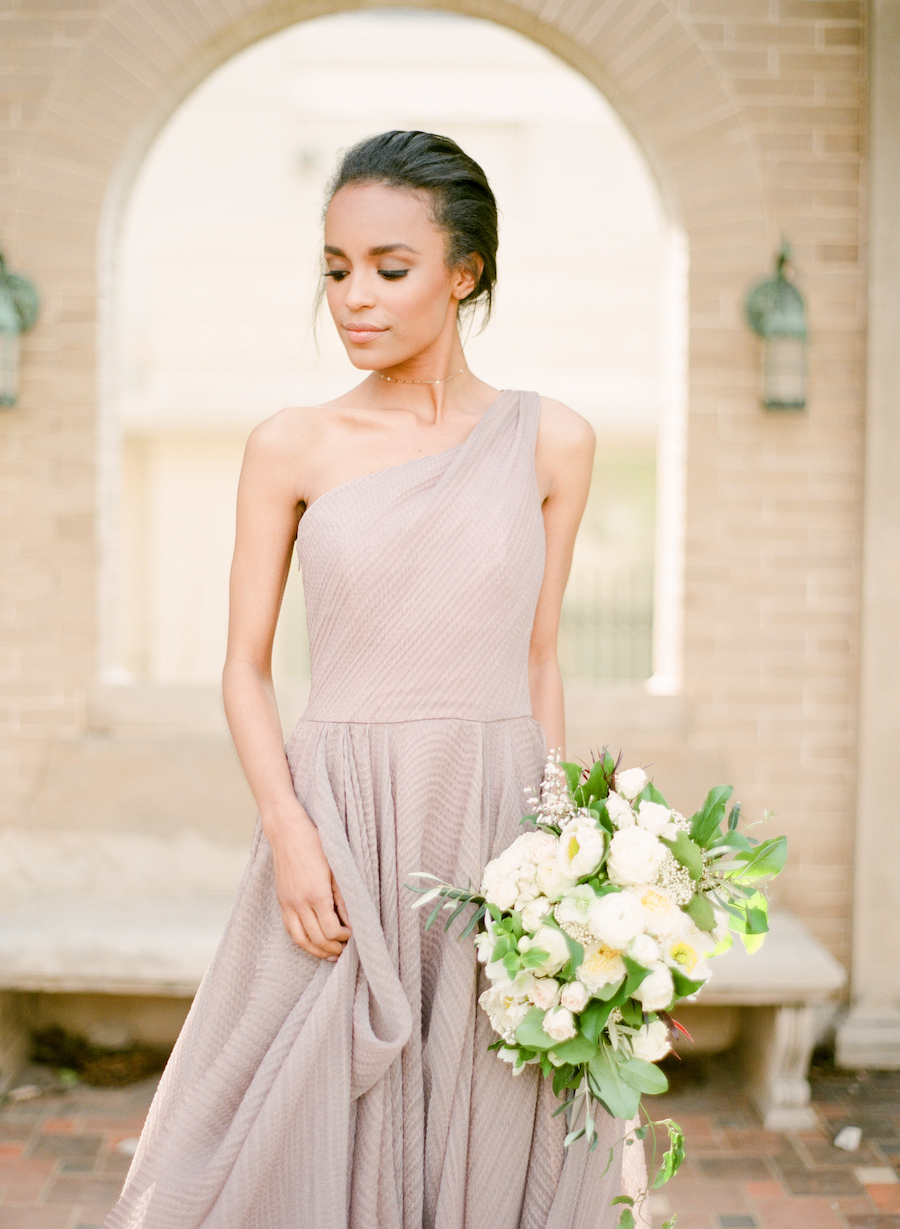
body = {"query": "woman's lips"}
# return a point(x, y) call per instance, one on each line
point(362, 332)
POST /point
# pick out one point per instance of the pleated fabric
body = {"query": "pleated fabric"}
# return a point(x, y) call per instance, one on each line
point(361, 1094)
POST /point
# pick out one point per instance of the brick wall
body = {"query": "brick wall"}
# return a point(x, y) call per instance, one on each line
point(752, 114)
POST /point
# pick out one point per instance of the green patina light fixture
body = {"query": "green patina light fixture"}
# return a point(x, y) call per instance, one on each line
point(19, 309)
point(776, 313)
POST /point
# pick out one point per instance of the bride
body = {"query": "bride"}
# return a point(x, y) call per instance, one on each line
point(333, 1072)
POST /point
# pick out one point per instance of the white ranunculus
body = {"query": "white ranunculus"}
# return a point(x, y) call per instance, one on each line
point(534, 914)
point(544, 993)
point(644, 950)
point(630, 782)
point(552, 941)
point(653, 816)
point(551, 880)
point(581, 848)
point(656, 990)
point(615, 919)
point(600, 967)
point(559, 1025)
point(635, 856)
point(574, 996)
point(651, 1042)
point(684, 955)
point(619, 811)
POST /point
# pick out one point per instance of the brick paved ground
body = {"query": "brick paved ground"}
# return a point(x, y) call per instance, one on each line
point(60, 1167)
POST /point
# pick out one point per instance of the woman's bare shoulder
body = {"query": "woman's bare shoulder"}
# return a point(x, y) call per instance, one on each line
point(562, 429)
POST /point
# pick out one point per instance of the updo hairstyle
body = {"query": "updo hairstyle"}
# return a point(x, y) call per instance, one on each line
point(462, 203)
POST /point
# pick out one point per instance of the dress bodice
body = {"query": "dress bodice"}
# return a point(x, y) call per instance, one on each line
point(421, 580)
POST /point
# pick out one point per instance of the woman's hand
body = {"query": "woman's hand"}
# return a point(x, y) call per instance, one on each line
point(312, 907)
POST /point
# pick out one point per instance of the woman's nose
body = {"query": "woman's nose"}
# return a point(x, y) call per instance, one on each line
point(360, 292)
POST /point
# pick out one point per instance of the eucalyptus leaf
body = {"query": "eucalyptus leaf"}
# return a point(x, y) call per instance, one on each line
point(614, 1093)
point(767, 859)
point(577, 1050)
point(701, 912)
point(687, 852)
point(644, 1076)
point(531, 1032)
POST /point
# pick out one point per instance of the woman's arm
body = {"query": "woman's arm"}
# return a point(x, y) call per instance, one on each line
point(268, 513)
point(564, 459)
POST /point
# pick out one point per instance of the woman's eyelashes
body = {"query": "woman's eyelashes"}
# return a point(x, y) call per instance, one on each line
point(390, 275)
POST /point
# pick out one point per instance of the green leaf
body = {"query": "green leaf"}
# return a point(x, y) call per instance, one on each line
point(701, 912)
point(685, 851)
point(609, 991)
point(577, 1050)
point(534, 958)
point(632, 1013)
point(561, 1077)
point(636, 974)
point(597, 786)
point(670, 1223)
point(531, 1033)
point(644, 1076)
point(608, 1086)
point(752, 942)
point(472, 922)
point(651, 794)
point(626, 1220)
point(767, 859)
point(683, 984)
point(734, 816)
point(706, 821)
point(626, 1199)
point(573, 775)
point(672, 1159)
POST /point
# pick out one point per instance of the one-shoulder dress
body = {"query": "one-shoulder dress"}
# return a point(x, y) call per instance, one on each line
point(361, 1094)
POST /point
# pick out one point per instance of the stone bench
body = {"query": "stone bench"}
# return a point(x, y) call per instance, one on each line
point(765, 1003)
point(770, 1006)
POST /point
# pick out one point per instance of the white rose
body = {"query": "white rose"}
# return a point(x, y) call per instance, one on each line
point(619, 810)
point(551, 880)
point(574, 997)
point(542, 846)
point(644, 950)
point(534, 914)
point(653, 816)
point(616, 919)
point(502, 892)
point(657, 990)
point(630, 782)
point(581, 848)
point(651, 1042)
point(552, 941)
point(635, 856)
point(544, 993)
point(664, 920)
point(505, 1011)
point(559, 1024)
point(601, 967)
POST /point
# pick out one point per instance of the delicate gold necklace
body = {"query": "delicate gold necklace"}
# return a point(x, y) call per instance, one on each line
point(395, 380)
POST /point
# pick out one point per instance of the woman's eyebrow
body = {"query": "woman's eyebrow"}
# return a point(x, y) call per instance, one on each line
point(383, 249)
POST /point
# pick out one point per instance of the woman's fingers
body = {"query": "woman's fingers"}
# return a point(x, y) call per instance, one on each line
point(339, 904)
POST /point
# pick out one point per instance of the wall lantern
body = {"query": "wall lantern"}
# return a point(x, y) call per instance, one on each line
point(19, 308)
point(776, 313)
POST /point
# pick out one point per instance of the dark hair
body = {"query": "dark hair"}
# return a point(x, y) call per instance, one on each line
point(462, 203)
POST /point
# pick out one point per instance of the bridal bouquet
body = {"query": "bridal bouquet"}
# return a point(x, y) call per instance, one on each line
point(596, 922)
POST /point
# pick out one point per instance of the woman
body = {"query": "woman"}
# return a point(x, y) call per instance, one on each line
point(334, 1072)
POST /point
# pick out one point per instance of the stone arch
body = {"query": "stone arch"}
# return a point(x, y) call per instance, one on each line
point(143, 57)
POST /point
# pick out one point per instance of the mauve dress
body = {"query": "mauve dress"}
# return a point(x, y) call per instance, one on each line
point(361, 1094)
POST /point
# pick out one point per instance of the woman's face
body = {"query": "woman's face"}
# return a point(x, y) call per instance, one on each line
point(389, 289)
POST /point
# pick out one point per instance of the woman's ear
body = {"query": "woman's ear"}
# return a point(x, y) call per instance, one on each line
point(466, 275)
